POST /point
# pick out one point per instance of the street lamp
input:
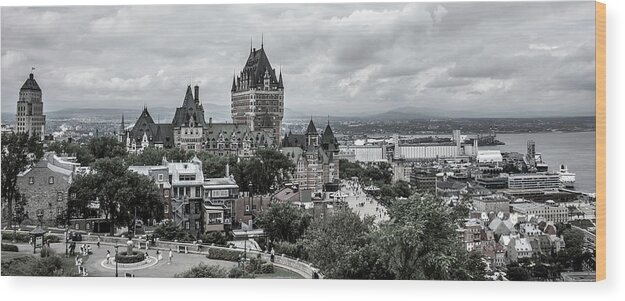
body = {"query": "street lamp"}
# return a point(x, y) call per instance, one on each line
point(116, 246)
point(66, 239)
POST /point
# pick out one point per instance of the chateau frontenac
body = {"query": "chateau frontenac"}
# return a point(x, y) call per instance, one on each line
point(257, 111)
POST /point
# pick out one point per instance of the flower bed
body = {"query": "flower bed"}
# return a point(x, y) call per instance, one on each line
point(123, 257)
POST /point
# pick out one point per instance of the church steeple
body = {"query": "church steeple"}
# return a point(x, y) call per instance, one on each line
point(234, 84)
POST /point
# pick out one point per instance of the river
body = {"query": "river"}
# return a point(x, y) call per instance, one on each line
point(576, 150)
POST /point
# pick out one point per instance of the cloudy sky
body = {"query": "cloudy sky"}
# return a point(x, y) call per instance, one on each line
point(468, 59)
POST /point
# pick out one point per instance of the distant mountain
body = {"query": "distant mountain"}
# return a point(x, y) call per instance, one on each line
point(219, 113)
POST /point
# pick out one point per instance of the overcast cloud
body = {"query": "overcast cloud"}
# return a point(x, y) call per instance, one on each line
point(481, 59)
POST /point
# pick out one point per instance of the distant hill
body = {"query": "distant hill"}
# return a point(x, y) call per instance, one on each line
point(219, 113)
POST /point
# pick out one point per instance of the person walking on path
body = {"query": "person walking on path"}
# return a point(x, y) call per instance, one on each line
point(159, 256)
point(171, 254)
point(108, 257)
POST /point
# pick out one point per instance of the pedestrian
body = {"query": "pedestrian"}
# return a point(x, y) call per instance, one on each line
point(108, 257)
point(82, 250)
point(159, 256)
point(89, 249)
point(98, 244)
point(171, 254)
point(147, 256)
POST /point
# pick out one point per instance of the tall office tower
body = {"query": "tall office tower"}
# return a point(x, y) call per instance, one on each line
point(29, 117)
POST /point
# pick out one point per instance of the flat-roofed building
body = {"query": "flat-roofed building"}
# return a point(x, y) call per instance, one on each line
point(533, 181)
point(552, 213)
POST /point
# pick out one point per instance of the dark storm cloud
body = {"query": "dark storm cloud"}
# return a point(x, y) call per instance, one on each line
point(344, 59)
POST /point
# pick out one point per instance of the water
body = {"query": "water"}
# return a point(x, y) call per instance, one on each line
point(576, 150)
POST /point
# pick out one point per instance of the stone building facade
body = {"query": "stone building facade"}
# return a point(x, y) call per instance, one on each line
point(314, 158)
point(257, 95)
point(29, 117)
point(190, 131)
point(45, 187)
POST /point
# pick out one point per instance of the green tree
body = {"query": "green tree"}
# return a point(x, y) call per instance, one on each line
point(419, 242)
point(19, 152)
point(340, 245)
point(170, 231)
point(118, 192)
point(284, 222)
point(518, 273)
point(267, 170)
point(106, 147)
point(204, 271)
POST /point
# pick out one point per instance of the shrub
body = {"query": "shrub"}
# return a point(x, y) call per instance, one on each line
point(257, 265)
point(19, 236)
point(218, 238)
point(204, 271)
point(237, 272)
point(33, 266)
point(266, 268)
point(25, 237)
point(51, 238)
point(170, 232)
point(137, 256)
point(9, 248)
point(223, 254)
point(291, 249)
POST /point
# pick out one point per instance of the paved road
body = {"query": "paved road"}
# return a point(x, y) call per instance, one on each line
point(180, 262)
point(355, 199)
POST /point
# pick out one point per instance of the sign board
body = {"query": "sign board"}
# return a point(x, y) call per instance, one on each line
point(38, 241)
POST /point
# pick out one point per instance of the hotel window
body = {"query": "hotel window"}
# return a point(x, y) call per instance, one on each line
point(197, 224)
point(186, 225)
point(31, 180)
point(50, 180)
point(160, 177)
point(247, 207)
point(166, 193)
point(166, 208)
point(59, 196)
point(196, 208)
point(198, 192)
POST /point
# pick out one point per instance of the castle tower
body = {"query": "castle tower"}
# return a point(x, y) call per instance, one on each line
point(188, 123)
point(29, 117)
point(257, 94)
point(312, 136)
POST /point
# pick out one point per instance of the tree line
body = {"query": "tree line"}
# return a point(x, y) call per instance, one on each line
point(418, 242)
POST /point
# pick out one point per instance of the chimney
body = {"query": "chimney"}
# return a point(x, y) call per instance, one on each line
point(227, 170)
point(197, 93)
point(210, 120)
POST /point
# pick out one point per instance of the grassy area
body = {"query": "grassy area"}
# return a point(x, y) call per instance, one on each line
point(10, 255)
point(280, 273)
point(25, 264)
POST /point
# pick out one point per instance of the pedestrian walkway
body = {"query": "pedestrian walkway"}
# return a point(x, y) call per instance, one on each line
point(361, 203)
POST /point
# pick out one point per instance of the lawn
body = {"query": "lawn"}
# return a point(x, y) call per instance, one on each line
point(280, 273)
point(25, 264)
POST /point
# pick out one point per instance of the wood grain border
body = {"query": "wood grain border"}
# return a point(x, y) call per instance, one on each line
point(600, 82)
